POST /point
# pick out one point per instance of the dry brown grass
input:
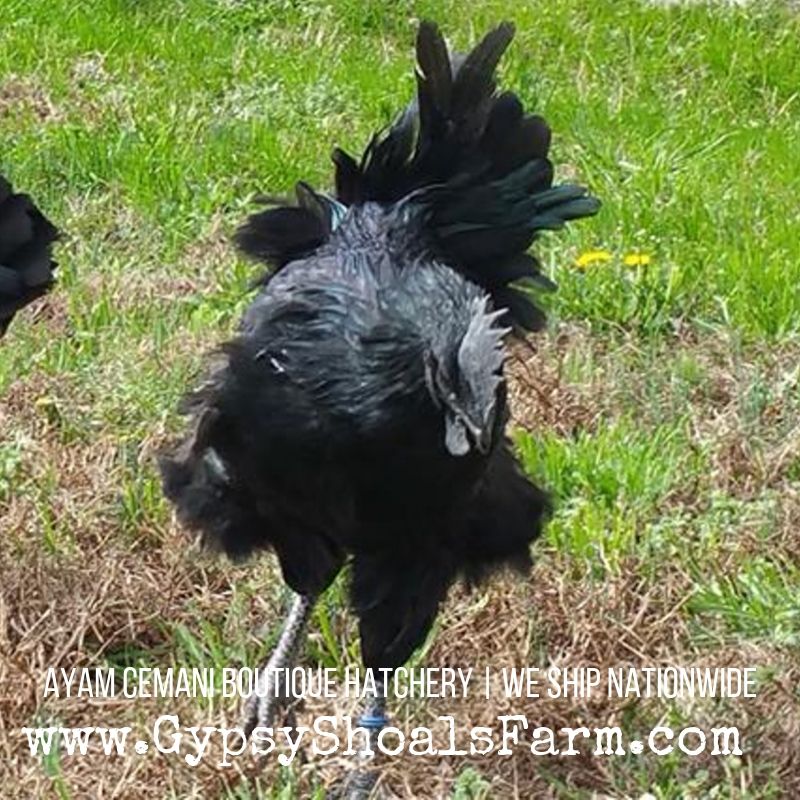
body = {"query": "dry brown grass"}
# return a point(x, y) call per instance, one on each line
point(26, 96)
point(540, 395)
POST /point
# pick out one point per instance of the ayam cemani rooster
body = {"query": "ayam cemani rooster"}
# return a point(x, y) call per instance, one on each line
point(359, 415)
point(26, 263)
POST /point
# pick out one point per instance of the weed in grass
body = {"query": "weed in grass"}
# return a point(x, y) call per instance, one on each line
point(760, 603)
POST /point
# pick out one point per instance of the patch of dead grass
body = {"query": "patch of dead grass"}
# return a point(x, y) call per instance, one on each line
point(24, 95)
point(541, 397)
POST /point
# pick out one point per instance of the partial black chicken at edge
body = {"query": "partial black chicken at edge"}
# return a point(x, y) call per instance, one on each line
point(358, 417)
point(26, 263)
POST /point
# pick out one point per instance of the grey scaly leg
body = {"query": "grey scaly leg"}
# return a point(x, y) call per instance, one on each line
point(373, 717)
point(360, 783)
point(272, 693)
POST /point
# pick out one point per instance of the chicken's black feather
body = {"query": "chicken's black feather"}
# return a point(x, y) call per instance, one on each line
point(487, 160)
point(468, 155)
point(26, 262)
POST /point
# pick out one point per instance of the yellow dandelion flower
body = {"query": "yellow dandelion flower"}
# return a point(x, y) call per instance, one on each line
point(592, 257)
point(636, 260)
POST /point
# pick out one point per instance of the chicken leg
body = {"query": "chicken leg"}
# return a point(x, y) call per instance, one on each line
point(272, 690)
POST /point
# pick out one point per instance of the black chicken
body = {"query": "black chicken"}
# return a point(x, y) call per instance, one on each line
point(26, 264)
point(359, 415)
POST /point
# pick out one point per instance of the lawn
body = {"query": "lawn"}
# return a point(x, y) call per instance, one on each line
point(661, 407)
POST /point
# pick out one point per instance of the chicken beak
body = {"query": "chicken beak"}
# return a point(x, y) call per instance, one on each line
point(462, 434)
point(455, 436)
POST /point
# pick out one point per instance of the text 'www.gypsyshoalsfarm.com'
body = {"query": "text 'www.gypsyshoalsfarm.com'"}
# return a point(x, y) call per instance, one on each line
point(513, 734)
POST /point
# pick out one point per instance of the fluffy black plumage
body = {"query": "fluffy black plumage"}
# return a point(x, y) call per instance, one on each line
point(26, 263)
point(469, 159)
point(360, 413)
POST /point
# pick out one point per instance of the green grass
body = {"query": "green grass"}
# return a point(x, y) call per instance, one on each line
point(145, 129)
